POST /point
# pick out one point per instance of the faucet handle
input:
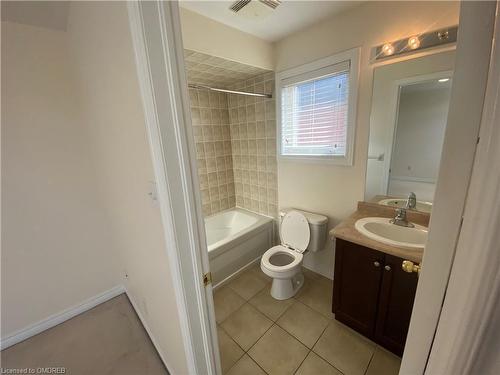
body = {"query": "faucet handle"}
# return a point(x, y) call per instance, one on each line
point(401, 213)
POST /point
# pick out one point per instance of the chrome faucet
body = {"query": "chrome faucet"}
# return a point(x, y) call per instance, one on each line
point(411, 202)
point(401, 220)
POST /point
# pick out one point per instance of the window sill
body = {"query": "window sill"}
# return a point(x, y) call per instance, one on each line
point(344, 161)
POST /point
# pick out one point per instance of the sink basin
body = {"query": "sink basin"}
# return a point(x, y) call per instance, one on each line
point(401, 202)
point(382, 230)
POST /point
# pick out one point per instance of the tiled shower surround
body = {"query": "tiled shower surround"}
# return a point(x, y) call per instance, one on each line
point(212, 137)
point(235, 137)
point(253, 140)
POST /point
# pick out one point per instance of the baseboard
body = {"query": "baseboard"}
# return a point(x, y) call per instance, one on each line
point(59, 318)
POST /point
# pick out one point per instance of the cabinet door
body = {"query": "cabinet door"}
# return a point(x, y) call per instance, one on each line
point(358, 273)
point(395, 305)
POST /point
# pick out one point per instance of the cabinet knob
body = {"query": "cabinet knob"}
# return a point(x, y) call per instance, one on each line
point(376, 264)
point(387, 268)
point(409, 266)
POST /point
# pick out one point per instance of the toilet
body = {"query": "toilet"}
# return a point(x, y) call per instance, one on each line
point(300, 231)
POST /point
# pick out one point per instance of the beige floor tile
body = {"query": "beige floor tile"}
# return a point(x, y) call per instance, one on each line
point(304, 323)
point(277, 352)
point(384, 363)
point(230, 352)
point(269, 306)
point(345, 349)
point(315, 276)
point(246, 366)
point(226, 302)
point(246, 326)
point(256, 270)
point(108, 339)
point(317, 294)
point(315, 365)
point(247, 284)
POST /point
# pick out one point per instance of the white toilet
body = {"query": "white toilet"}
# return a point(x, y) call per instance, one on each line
point(300, 231)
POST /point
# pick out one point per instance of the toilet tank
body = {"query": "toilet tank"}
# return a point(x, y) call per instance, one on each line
point(318, 225)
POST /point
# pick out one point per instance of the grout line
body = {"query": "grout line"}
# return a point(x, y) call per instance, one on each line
point(300, 364)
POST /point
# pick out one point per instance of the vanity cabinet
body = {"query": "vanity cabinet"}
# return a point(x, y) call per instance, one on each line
point(372, 294)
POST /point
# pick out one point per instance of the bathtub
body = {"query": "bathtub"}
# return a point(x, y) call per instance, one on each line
point(235, 239)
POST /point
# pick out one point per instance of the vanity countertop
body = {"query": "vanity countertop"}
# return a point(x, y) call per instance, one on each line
point(346, 231)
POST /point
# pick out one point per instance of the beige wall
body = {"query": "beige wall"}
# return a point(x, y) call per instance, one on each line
point(56, 247)
point(335, 190)
point(101, 47)
point(210, 117)
point(202, 34)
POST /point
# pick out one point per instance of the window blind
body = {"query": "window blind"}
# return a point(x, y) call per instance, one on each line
point(314, 114)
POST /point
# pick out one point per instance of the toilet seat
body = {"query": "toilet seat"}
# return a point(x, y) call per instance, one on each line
point(295, 232)
point(297, 258)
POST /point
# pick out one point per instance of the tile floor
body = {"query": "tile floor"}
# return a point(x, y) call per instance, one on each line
point(260, 335)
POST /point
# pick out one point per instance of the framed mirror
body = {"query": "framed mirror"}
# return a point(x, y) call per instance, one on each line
point(407, 125)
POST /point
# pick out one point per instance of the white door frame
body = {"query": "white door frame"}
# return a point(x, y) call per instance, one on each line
point(467, 336)
point(156, 34)
point(459, 148)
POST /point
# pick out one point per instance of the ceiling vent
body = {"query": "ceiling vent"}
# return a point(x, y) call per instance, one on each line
point(240, 4)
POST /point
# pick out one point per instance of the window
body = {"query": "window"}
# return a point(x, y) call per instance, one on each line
point(316, 107)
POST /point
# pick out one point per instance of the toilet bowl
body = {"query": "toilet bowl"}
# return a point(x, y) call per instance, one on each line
point(283, 262)
point(283, 265)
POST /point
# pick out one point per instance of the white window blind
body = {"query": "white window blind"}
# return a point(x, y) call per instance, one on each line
point(314, 112)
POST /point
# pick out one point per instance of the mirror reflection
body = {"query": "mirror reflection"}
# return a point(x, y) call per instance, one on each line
point(408, 122)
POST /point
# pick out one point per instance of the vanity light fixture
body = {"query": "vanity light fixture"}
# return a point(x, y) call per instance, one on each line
point(417, 42)
point(413, 42)
point(387, 49)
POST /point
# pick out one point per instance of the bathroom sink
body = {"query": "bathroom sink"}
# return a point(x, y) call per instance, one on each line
point(401, 202)
point(382, 230)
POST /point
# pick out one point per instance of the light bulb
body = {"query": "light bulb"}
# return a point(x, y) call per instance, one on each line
point(443, 80)
point(413, 42)
point(388, 49)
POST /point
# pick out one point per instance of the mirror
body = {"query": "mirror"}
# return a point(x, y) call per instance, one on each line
point(407, 125)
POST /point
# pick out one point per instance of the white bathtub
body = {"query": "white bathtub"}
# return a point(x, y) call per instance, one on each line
point(236, 238)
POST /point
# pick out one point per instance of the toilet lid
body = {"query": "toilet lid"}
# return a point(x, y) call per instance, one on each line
point(295, 231)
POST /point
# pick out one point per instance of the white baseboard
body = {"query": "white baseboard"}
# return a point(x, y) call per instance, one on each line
point(59, 318)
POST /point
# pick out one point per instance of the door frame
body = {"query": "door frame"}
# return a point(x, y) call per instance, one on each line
point(157, 42)
point(457, 161)
point(471, 307)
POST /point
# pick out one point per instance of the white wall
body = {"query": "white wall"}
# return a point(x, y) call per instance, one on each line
point(205, 35)
point(335, 190)
point(56, 246)
point(101, 47)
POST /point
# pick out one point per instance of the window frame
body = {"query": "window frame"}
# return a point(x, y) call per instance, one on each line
point(313, 70)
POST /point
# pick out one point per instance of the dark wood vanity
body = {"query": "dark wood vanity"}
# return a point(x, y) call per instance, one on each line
point(372, 294)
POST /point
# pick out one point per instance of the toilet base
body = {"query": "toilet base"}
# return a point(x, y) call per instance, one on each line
point(287, 288)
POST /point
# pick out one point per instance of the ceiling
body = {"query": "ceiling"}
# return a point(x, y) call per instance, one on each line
point(214, 71)
point(263, 22)
point(49, 14)
point(430, 85)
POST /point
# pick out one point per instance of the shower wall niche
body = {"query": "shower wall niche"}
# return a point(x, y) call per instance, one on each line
point(235, 135)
